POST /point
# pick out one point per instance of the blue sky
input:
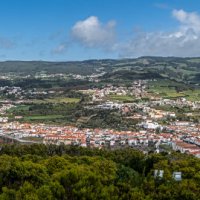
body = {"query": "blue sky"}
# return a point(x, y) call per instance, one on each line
point(88, 29)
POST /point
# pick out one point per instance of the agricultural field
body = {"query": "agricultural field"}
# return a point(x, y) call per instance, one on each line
point(54, 113)
point(172, 89)
point(122, 98)
point(19, 108)
point(192, 95)
point(43, 117)
point(57, 100)
point(194, 60)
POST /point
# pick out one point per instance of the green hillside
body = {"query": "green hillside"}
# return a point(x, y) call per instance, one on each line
point(180, 69)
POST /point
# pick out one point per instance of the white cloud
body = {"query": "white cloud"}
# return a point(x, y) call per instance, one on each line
point(59, 49)
point(92, 33)
point(188, 20)
point(184, 41)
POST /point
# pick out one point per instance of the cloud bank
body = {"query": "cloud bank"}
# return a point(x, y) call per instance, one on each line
point(183, 41)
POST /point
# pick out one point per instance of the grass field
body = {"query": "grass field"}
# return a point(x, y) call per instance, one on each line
point(43, 117)
point(195, 60)
point(58, 100)
point(122, 98)
point(192, 95)
point(166, 89)
point(19, 108)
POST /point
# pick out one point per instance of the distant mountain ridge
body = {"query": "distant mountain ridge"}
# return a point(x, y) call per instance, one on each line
point(178, 68)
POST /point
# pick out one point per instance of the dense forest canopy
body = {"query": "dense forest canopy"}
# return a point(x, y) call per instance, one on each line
point(64, 172)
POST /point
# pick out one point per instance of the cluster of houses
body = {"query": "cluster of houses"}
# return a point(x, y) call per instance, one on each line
point(189, 141)
point(16, 91)
point(179, 136)
point(180, 102)
point(137, 89)
point(5, 107)
point(93, 77)
point(19, 94)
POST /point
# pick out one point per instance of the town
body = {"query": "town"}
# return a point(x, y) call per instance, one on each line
point(100, 100)
point(156, 130)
